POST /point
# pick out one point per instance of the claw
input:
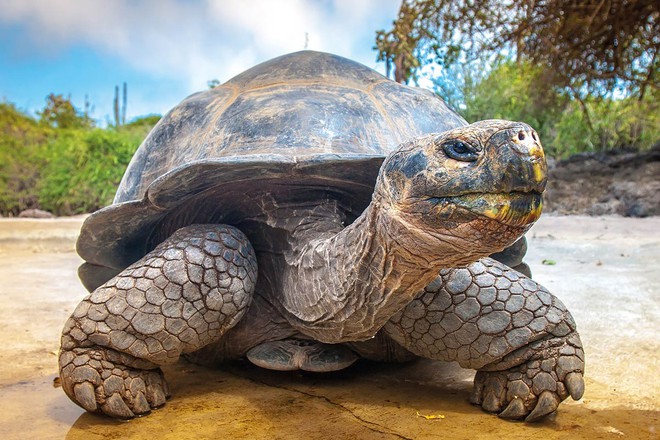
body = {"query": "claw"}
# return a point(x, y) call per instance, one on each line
point(140, 405)
point(155, 396)
point(166, 389)
point(495, 394)
point(547, 403)
point(116, 407)
point(515, 410)
point(84, 393)
point(575, 385)
point(492, 402)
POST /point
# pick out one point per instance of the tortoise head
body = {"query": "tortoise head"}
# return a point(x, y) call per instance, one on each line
point(481, 182)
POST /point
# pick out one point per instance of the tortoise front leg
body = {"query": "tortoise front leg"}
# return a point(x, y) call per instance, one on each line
point(519, 337)
point(183, 295)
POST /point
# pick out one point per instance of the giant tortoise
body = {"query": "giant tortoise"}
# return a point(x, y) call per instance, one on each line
point(310, 212)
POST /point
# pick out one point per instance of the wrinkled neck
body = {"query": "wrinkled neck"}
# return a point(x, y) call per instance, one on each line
point(344, 286)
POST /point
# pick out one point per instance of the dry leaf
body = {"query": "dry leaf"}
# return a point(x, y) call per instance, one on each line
point(432, 416)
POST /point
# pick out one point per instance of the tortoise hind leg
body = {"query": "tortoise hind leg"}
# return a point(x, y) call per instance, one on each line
point(301, 354)
point(183, 295)
point(521, 340)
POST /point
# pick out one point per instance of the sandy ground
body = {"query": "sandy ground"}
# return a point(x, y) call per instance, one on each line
point(605, 271)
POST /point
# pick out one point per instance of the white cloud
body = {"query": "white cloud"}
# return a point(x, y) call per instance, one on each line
point(198, 41)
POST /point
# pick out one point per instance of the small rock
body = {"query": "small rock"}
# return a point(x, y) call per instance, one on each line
point(604, 208)
point(35, 213)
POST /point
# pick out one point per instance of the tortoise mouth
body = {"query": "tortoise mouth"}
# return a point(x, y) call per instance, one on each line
point(512, 209)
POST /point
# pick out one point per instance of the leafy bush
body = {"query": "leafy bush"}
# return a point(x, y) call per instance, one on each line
point(84, 168)
point(60, 113)
point(63, 170)
point(141, 122)
point(511, 92)
point(628, 123)
point(22, 141)
point(566, 126)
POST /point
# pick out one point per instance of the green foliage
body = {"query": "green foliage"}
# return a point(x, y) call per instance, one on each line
point(60, 113)
point(84, 168)
point(510, 91)
point(63, 167)
point(147, 122)
point(22, 142)
point(566, 125)
point(591, 46)
point(629, 123)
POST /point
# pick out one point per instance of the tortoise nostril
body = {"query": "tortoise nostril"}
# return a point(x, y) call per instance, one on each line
point(521, 135)
point(534, 135)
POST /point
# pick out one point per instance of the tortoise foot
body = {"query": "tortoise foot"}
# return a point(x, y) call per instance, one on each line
point(300, 354)
point(533, 390)
point(98, 383)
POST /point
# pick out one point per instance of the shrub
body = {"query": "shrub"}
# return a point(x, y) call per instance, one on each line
point(84, 168)
point(516, 91)
point(66, 168)
point(22, 141)
point(511, 92)
point(629, 123)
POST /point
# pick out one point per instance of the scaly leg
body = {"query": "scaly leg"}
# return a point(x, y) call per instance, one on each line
point(519, 337)
point(183, 295)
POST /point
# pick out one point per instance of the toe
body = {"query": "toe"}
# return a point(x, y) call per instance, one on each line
point(575, 385)
point(515, 410)
point(492, 403)
point(123, 393)
point(116, 407)
point(84, 393)
point(141, 405)
point(155, 395)
point(494, 393)
point(547, 403)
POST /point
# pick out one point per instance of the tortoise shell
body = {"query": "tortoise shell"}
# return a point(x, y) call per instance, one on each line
point(305, 126)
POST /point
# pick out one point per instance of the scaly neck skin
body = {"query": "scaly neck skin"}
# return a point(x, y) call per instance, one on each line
point(345, 286)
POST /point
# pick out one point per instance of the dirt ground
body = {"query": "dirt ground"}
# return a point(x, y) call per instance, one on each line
point(616, 182)
point(605, 270)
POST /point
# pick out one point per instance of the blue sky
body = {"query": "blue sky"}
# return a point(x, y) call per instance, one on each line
point(166, 49)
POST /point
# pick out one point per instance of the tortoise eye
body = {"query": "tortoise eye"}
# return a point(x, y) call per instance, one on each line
point(459, 150)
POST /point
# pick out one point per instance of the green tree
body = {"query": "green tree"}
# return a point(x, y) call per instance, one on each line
point(594, 45)
point(60, 112)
